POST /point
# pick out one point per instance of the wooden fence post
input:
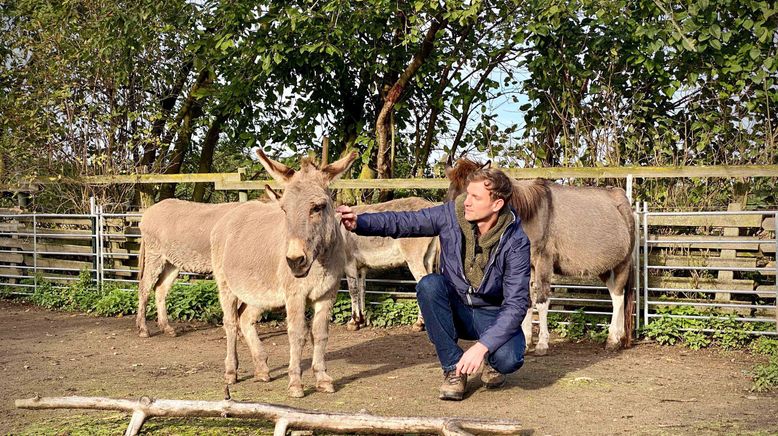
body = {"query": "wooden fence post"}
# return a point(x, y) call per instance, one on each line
point(243, 196)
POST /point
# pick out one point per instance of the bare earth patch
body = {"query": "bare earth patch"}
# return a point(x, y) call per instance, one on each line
point(576, 389)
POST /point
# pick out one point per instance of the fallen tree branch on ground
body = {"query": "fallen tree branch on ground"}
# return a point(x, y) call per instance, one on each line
point(283, 417)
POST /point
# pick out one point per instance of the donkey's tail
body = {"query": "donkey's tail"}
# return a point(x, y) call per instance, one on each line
point(141, 260)
point(630, 291)
point(629, 308)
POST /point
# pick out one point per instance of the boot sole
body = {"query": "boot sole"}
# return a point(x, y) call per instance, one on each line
point(492, 386)
point(451, 397)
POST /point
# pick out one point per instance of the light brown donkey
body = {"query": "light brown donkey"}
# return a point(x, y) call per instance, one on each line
point(375, 252)
point(285, 253)
point(175, 236)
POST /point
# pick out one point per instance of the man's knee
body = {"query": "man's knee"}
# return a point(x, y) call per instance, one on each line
point(431, 286)
point(508, 358)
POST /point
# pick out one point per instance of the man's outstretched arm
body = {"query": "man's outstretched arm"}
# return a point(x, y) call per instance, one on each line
point(424, 222)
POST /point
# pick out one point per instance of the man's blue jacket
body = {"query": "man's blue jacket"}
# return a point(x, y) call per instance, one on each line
point(505, 286)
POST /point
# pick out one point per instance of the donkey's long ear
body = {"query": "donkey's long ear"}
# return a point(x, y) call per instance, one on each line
point(271, 194)
point(449, 164)
point(337, 168)
point(278, 171)
point(487, 165)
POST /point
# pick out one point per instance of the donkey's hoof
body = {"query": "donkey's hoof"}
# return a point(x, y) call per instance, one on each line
point(325, 386)
point(144, 333)
point(230, 378)
point(352, 326)
point(262, 377)
point(612, 346)
point(541, 351)
point(418, 327)
point(296, 391)
point(170, 331)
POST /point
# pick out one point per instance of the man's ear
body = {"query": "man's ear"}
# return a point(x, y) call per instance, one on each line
point(271, 194)
point(498, 204)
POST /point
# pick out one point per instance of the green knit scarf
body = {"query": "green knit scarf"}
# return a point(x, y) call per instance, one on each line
point(475, 263)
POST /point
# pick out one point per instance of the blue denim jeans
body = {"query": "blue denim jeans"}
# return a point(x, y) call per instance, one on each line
point(447, 319)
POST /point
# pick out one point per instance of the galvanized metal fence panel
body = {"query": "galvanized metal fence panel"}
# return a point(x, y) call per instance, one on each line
point(656, 296)
point(108, 243)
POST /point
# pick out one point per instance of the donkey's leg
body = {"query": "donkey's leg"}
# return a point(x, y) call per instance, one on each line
point(152, 267)
point(543, 271)
point(419, 269)
point(296, 330)
point(166, 280)
point(320, 329)
point(247, 319)
point(615, 281)
point(526, 324)
point(353, 290)
point(229, 304)
point(361, 292)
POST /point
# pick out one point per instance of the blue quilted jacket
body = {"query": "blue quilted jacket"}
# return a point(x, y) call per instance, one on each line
point(505, 286)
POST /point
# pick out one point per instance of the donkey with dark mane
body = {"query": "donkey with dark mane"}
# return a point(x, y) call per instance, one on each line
point(574, 231)
point(285, 253)
point(376, 252)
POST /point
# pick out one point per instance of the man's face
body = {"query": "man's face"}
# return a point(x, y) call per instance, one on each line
point(479, 204)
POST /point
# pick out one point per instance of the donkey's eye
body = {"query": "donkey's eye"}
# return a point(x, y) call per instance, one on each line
point(318, 208)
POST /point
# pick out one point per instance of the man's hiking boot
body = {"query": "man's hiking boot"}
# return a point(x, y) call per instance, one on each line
point(491, 378)
point(453, 387)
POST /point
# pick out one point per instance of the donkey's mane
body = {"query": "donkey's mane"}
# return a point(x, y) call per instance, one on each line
point(463, 168)
point(308, 162)
point(529, 196)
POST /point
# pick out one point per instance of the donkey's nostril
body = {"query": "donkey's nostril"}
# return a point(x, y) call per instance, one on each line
point(296, 261)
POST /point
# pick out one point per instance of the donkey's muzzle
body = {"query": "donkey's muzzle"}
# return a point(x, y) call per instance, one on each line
point(298, 265)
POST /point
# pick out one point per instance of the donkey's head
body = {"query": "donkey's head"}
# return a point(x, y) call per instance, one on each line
point(457, 175)
point(311, 224)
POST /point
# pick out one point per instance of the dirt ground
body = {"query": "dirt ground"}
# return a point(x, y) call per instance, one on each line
point(576, 389)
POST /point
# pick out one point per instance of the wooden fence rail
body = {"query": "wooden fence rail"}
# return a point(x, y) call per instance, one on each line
point(236, 181)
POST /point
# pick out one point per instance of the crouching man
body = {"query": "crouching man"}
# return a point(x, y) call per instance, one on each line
point(482, 291)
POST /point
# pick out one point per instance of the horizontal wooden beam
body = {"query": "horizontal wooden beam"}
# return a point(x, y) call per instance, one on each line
point(701, 171)
point(255, 185)
point(143, 179)
point(232, 181)
point(22, 187)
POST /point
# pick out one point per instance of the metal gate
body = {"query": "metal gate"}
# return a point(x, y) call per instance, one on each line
point(747, 299)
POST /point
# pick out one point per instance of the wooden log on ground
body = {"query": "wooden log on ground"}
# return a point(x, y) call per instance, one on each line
point(284, 417)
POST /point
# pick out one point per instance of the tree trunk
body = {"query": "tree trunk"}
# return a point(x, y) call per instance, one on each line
point(436, 105)
point(468, 102)
point(394, 95)
point(206, 156)
point(188, 114)
point(167, 103)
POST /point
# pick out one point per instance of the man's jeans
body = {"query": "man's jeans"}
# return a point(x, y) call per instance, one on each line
point(447, 319)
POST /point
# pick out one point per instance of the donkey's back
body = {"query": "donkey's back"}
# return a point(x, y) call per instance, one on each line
point(180, 232)
point(591, 229)
point(383, 252)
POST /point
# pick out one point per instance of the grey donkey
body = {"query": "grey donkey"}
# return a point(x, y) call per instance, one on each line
point(285, 253)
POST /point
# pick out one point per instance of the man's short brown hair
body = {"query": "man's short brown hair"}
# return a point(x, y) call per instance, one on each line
point(498, 184)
